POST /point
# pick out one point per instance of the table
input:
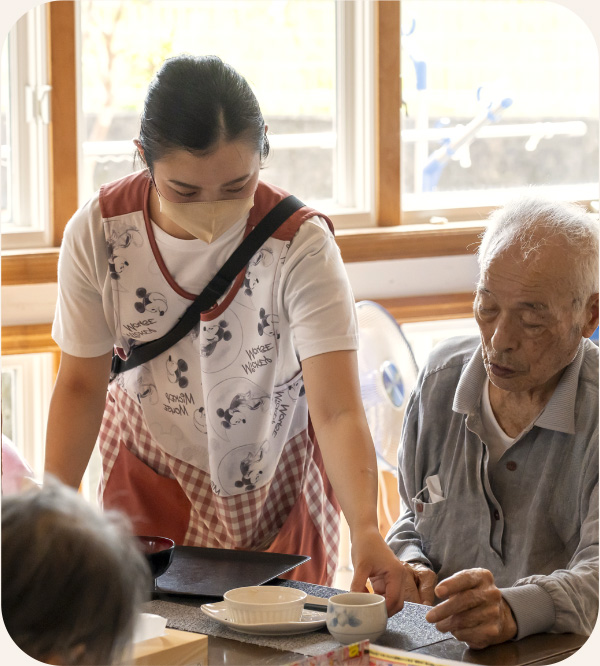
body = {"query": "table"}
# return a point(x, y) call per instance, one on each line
point(407, 630)
point(540, 649)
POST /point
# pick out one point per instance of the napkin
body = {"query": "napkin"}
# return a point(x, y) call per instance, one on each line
point(149, 626)
point(435, 488)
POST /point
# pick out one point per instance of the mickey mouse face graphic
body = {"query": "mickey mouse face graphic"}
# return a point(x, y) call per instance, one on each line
point(121, 241)
point(146, 391)
point(152, 301)
point(250, 283)
point(175, 370)
point(200, 420)
point(296, 390)
point(246, 468)
point(251, 471)
point(213, 333)
point(267, 323)
point(241, 408)
point(116, 266)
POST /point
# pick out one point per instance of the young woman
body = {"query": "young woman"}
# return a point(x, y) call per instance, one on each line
point(211, 443)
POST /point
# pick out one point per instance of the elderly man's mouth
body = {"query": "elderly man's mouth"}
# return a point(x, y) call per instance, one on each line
point(502, 371)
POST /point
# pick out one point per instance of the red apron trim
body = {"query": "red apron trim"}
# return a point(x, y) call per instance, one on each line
point(156, 505)
point(298, 536)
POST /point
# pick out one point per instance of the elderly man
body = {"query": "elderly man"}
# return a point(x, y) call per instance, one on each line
point(498, 464)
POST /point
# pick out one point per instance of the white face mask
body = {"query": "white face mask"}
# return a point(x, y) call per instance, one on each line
point(206, 220)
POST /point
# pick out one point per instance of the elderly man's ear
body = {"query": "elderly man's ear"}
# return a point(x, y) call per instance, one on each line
point(591, 315)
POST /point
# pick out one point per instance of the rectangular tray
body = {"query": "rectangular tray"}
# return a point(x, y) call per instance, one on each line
point(210, 572)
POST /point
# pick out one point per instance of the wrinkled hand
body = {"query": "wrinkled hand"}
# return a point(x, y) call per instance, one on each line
point(373, 559)
point(425, 581)
point(474, 610)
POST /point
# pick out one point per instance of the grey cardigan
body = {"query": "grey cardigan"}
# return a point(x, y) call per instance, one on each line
point(533, 522)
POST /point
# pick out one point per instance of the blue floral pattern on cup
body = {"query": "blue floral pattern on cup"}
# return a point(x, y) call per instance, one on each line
point(342, 618)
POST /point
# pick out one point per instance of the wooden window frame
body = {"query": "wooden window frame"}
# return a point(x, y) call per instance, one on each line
point(388, 241)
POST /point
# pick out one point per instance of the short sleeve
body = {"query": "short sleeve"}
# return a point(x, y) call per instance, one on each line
point(317, 297)
point(81, 327)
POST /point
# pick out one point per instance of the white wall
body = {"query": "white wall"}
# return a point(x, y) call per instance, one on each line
point(412, 277)
point(370, 280)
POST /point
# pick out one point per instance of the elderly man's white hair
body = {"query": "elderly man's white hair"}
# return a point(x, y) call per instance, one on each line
point(531, 221)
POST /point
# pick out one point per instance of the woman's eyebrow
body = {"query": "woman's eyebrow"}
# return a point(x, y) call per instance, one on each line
point(180, 184)
point(236, 180)
point(195, 187)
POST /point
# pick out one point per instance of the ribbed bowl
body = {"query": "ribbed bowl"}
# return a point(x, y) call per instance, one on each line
point(264, 605)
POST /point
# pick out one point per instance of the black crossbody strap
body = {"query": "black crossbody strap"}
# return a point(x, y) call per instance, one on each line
point(214, 289)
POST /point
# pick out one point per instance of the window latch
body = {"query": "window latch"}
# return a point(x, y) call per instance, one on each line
point(37, 104)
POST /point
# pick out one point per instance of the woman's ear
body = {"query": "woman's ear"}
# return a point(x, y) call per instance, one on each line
point(140, 149)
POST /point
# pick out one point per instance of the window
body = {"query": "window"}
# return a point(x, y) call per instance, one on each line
point(306, 62)
point(499, 95)
point(25, 115)
point(25, 408)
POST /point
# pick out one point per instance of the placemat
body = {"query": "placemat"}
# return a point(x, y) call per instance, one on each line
point(407, 630)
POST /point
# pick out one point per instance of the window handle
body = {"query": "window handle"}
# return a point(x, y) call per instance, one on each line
point(37, 103)
point(44, 103)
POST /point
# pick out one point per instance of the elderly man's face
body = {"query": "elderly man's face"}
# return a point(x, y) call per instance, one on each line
point(529, 327)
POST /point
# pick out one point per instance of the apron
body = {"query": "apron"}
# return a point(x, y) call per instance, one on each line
point(205, 443)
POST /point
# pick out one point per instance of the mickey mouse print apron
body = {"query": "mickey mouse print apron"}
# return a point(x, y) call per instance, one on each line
point(205, 443)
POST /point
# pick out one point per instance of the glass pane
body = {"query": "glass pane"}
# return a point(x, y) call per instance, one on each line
point(5, 143)
point(286, 51)
point(8, 404)
point(498, 95)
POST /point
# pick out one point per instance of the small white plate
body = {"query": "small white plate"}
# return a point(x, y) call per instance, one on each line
point(310, 621)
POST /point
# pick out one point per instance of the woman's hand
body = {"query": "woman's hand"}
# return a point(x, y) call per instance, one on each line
point(374, 560)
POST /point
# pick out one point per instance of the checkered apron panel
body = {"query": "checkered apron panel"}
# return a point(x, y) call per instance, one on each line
point(250, 520)
point(323, 514)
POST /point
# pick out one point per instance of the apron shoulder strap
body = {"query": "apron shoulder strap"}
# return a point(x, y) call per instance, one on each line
point(214, 289)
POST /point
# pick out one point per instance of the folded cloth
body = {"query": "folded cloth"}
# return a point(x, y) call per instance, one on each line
point(149, 625)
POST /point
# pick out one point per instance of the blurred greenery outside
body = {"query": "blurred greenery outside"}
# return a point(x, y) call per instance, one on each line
point(536, 52)
point(544, 52)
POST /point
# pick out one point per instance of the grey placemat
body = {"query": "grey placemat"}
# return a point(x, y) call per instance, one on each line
point(407, 630)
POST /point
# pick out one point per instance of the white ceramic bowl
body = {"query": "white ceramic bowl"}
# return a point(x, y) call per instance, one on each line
point(356, 616)
point(264, 604)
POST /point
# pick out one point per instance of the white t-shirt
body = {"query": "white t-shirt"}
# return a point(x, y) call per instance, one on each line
point(316, 298)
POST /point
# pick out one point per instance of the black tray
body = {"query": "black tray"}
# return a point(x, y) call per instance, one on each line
point(210, 572)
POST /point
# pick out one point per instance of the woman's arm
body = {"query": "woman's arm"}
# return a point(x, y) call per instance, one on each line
point(75, 415)
point(337, 413)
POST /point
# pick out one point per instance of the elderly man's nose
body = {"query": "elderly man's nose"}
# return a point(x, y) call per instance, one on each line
point(504, 334)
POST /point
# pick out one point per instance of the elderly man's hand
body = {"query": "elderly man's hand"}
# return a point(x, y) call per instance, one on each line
point(395, 580)
point(474, 610)
point(425, 581)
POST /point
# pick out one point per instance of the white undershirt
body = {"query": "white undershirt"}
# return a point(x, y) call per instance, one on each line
point(497, 441)
point(495, 438)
